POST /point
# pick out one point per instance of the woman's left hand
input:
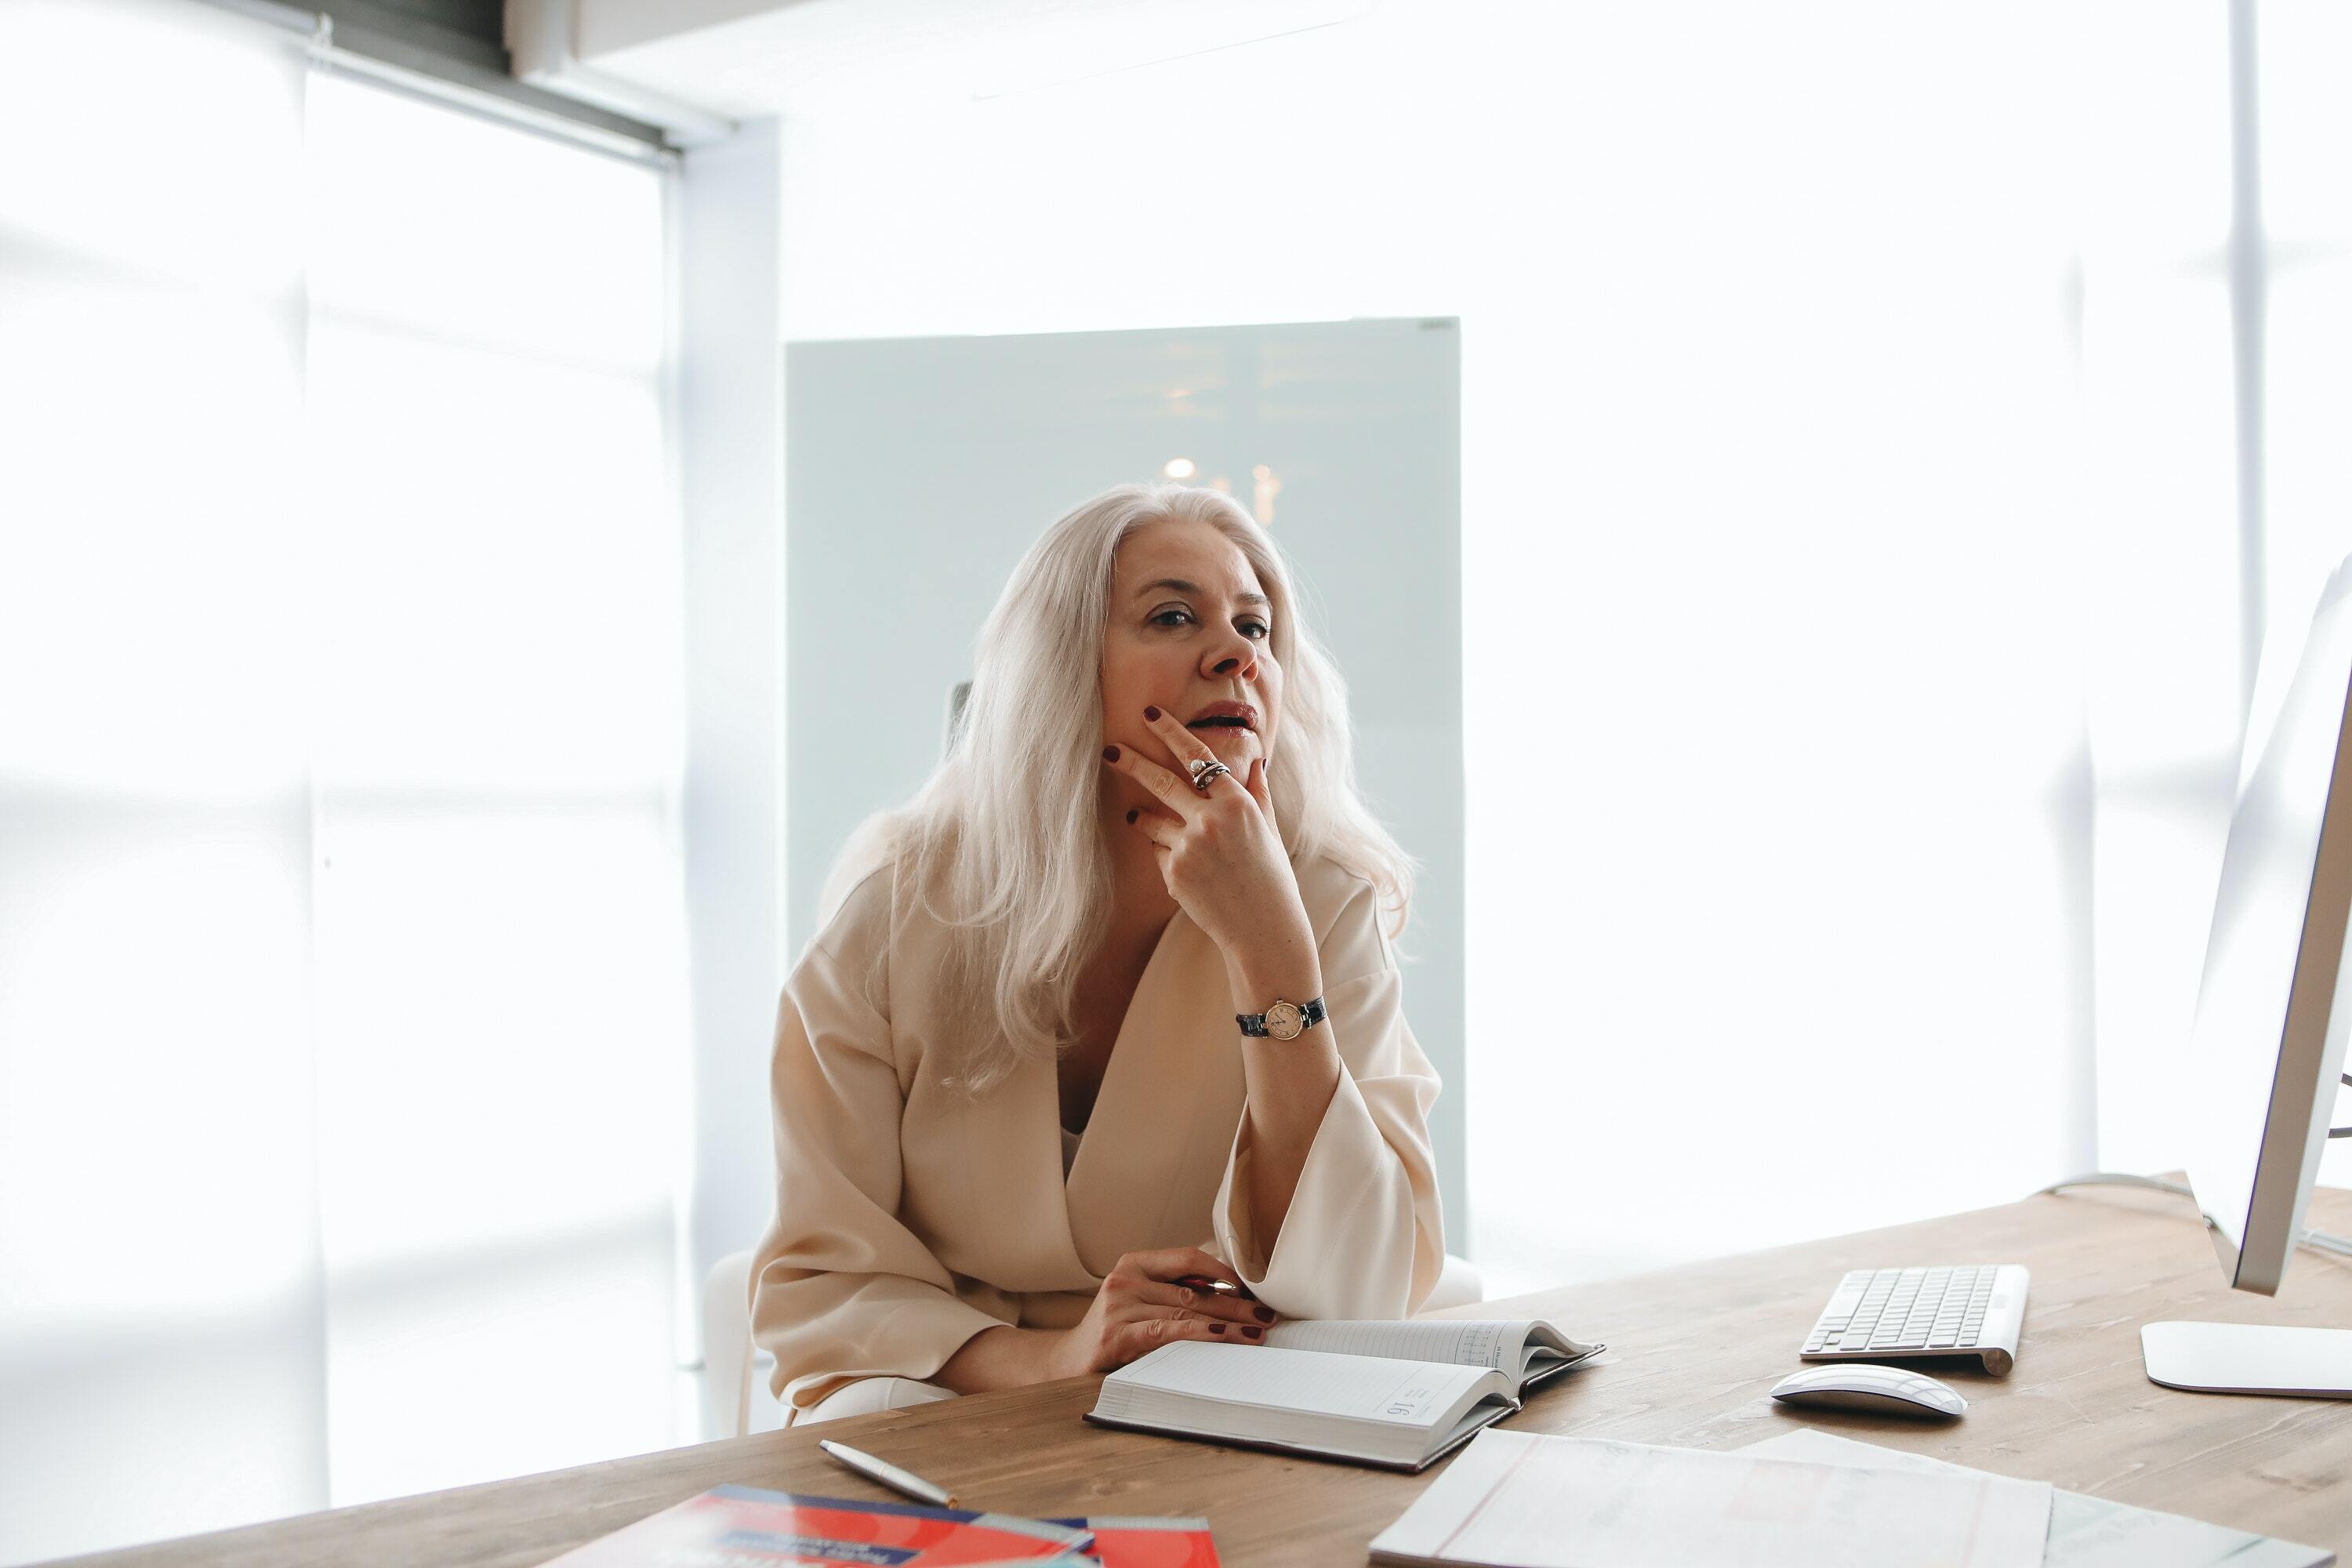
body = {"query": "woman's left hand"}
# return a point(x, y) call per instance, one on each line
point(1219, 852)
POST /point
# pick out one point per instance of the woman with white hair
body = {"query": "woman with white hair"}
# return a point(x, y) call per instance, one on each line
point(1110, 1010)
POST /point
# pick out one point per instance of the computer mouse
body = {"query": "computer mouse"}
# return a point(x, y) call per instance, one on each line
point(1879, 1390)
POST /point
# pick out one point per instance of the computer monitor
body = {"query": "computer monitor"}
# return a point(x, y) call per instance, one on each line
point(2267, 1054)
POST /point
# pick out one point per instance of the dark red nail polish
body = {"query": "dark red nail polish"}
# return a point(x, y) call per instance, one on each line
point(1216, 1328)
point(1266, 1314)
point(1110, 753)
point(1151, 715)
point(1132, 817)
point(1253, 1333)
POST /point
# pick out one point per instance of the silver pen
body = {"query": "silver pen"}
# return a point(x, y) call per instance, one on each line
point(884, 1473)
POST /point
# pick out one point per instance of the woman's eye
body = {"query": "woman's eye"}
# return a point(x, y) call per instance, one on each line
point(1176, 616)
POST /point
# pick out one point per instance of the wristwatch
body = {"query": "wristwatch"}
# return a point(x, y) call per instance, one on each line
point(1283, 1021)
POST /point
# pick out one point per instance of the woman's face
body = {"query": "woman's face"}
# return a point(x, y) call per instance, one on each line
point(1190, 633)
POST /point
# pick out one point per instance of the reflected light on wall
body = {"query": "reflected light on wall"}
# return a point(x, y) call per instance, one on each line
point(1180, 468)
point(158, 1236)
point(499, 963)
point(143, 67)
point(1262, 495)
point(196, 1068)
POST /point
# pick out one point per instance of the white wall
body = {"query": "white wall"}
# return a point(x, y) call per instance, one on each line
point(2306, 139)
point(731, 413)
point(1778, 784)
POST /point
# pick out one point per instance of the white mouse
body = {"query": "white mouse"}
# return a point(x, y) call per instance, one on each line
point(1879, 1390)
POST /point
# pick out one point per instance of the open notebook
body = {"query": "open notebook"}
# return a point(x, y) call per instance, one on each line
point(1395, 1395)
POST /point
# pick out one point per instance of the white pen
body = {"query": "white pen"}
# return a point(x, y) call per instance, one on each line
point(884, 1473)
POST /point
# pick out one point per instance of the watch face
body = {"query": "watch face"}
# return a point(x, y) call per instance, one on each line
point(1284, 1021)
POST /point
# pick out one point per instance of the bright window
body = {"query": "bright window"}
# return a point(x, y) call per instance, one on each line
point(342, 1049)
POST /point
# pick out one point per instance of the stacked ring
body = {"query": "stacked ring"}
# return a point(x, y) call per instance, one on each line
point(1204, 770)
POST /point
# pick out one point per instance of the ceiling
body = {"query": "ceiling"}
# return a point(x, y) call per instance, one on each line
point(805, 58)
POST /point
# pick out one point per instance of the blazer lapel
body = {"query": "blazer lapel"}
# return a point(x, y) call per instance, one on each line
point(1147, 1170)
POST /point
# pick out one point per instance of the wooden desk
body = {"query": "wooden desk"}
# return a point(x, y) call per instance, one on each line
point(1693, 1352)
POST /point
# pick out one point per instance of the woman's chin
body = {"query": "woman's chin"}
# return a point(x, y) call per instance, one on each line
point(1237, 749)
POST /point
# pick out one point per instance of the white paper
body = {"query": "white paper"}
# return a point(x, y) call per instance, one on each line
point(1463, 1344)
point(1411, 1394)
point(2084, 1532)
point(1500, 1345)
point(1535, 1501)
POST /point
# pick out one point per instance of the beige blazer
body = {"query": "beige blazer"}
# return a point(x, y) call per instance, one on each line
point(910, 1216)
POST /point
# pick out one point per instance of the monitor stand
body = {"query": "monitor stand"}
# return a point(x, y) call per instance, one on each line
point(2249, 1358)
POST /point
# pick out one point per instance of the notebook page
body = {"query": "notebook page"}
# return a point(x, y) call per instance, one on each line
point(1497, 1345)
point(1410, 1393)
point(2084, 1532)
point(1539, 1502)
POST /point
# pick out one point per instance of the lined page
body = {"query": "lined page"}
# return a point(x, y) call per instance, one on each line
point(1499, 1345)
point(1571, 1502)
point(2084, 1532)
point(1366, 1388)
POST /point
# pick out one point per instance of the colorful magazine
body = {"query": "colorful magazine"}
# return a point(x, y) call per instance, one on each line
point(744, 1527)
point(1147, 1542)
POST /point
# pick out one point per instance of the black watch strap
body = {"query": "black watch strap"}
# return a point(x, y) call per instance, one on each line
point(1309, 1014)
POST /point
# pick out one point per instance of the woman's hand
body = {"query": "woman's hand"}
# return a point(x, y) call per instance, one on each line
point(1140, 1308)
point(1219, 852)
point(1224, 862)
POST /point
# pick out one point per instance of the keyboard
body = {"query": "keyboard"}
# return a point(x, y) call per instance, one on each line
point(1898, 1314)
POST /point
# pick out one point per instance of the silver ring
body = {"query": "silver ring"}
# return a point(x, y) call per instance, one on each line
point(1202, 772)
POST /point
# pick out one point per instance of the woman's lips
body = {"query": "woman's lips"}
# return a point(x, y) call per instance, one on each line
point(1229, 713)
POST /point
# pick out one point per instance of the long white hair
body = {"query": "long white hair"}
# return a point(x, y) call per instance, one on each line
point(1002, 844)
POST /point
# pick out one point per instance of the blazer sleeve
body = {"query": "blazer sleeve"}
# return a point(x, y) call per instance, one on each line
point(1364, 1237)
point(840, 1289)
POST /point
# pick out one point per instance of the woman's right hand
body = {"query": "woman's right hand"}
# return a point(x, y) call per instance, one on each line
point(1141, 1307)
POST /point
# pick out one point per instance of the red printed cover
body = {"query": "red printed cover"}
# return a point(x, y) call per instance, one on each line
point(743, 1527)
point(1148, 1542)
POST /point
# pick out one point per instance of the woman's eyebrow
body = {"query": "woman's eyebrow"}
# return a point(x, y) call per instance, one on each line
point(1182, 587)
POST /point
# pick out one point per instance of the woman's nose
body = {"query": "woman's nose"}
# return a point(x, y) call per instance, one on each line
point(1237, 656)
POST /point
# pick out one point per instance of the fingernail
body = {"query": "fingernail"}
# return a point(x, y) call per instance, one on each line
point(1110, 753)
point(1132, 815)
point(1216, 1328)
point(1266, 1314)
point(1253, 1333)
point(1151, 715)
